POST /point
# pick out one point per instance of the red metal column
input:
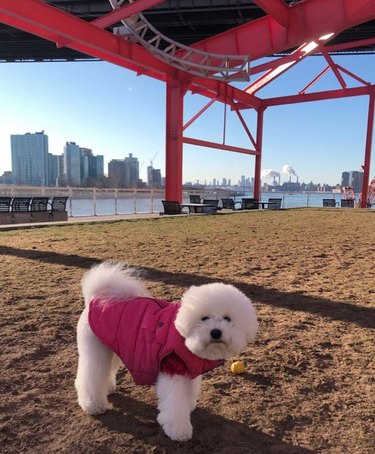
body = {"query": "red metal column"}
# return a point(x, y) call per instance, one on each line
point(258, 156)
point(174, 127)
point(366, 165)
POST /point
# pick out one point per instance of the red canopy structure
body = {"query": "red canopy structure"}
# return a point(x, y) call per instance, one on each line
point(290, 30)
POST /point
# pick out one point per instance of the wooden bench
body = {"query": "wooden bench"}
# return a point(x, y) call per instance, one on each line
point(347, 203)
point(20, 207)
point(249, 203)
point(230, 204)
point(5, 213)
point(171, 207)
point(58, 209)
point(329, 203)
point(23, 210)
point(211, 205)
point(39, 209)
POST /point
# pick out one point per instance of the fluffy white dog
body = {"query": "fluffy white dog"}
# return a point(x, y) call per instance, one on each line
point(167, 344)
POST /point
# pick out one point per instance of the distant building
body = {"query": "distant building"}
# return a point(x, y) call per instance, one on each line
point(353, 179)
point(72, 164)
point(6, 177)
point(356, 180)
point(99, 166)
point(154, 179)
point(131, 171)
point(30, 159)
point(116, 172)
point(54, 171)
point(92, 167)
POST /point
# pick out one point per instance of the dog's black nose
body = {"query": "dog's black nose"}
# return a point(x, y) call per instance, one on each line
point(216, 334)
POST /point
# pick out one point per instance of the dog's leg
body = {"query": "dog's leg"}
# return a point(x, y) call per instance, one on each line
point(175, 406)
point(94, 367)
point(195, 389)
point(116, 362)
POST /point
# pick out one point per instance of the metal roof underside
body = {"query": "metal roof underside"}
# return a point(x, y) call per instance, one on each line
point(185, 21)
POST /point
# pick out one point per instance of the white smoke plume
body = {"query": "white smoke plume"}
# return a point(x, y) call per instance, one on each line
point(268, 173)
point(288, 170)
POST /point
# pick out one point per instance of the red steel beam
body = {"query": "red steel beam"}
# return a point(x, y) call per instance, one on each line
point(308, 20)
point(283, 66)
point(319, 76)
point(258, 157)
point(175, 91)
point(55, 25)
point(320, 96)
point(198, 114)
point(276, 9)
point(334, 68)
point(48, 22)
point(220, 146)
point(288, 58)
point(117, 15)
point(223, 92)
point(369, 135)
point(350, 45)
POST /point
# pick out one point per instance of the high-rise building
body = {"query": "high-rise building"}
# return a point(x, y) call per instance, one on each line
point(99, 166)
point(345, 179)
point(72, 164)
point(30, 159)
point(154, 177)
point(53, 169)
point(354, 178)
point(131, 171)
point(92, 167)
point(116, 172)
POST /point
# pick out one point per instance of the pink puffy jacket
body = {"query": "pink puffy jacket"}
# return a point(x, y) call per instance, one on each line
point(142, 333)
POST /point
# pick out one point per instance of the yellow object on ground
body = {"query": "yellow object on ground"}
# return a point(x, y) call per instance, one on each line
point(237, 367)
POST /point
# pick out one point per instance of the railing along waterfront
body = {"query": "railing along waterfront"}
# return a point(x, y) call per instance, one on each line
point(118, 201)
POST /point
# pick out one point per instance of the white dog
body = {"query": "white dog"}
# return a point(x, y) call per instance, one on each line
point(167, 344)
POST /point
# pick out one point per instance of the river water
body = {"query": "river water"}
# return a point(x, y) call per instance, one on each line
point(109, 206)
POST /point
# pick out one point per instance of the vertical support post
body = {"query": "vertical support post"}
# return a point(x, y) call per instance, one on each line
point(174, 128)
point(70, 194)
point(94, 200)
point(258, 156)
point(366, 165)
point(116, 200)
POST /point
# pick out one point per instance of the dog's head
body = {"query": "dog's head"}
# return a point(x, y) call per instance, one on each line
point(216, 320)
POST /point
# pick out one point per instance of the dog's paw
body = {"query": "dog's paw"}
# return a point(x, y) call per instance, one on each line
point(93, 408)
point(175, 431)
point(193, 404)
point(111, 387)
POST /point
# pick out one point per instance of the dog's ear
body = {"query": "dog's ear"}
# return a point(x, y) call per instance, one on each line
point(251, 323)
point(186, 317)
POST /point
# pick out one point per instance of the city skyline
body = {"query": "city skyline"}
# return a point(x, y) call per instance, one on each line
point(113, 112)
point(77, 166)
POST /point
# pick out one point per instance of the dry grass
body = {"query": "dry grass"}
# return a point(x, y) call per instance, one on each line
point(309, 381)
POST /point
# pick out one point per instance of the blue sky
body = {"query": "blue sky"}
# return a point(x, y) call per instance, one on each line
point(114, 112)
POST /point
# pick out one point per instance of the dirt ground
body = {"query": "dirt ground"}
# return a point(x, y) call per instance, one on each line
point(309, 384)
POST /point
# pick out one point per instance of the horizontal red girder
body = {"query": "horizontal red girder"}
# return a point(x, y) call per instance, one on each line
point(117, 15)
point(320, 96)
point(276, 9)
point(308, 20)
point(219, 146)
point(55, 25)
point(223, 92)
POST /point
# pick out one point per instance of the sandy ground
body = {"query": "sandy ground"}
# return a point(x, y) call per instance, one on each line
point(309, 381)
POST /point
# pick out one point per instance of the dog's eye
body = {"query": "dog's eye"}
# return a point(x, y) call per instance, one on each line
point(227, 319)
point(204, 319)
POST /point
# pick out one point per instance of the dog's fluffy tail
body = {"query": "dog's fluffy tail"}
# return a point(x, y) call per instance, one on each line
point(111, 278)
